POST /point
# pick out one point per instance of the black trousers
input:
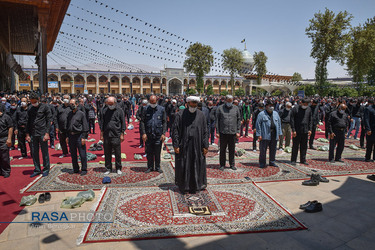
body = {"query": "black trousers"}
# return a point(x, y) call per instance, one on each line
point(22, 141)
point(255, 138)
point(245, 125)
point(263, 145)
point(312, 136)
point(212, 132)
point(112, 145)
point(230, 141)
point(140, 137)
point(338, 140)
point(300, 141)
point(153, 151)
point(363, 134)
point(370, 146)
point(52, 135)
point(62, 137)
point(326, 129)
point(92, 125)
point(75, 144)
point(4, 157)
point(37, 143)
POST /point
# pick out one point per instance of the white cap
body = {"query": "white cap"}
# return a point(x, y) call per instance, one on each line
point(193, 99)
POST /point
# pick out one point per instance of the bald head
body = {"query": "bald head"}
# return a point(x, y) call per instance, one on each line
point(111, 101)
point(153, 99)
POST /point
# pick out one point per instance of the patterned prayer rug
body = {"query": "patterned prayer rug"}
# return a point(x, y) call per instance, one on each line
point(133, 175)
point(162, 212)
point(352, 165)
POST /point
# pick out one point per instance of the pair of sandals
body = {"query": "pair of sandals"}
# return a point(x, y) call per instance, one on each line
point(44, 197)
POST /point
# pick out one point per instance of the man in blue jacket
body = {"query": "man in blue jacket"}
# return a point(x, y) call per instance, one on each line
point(268, 131)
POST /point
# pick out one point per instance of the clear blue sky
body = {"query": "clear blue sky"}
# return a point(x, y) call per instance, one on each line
point(273, 26)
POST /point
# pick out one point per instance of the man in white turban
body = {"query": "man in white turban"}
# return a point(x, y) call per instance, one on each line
point(190, 142)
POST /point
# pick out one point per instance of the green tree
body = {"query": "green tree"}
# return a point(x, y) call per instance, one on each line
point(240, 92)
point(296, 77)
point(310, 90)
point(361, 52)
point(191, 92)
point(224, 92)
point(199, 61)
point(210, 90)
point(260, 60)
point(232, 62)
point(329, 39)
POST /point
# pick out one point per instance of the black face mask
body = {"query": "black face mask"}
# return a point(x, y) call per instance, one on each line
point(73, 107)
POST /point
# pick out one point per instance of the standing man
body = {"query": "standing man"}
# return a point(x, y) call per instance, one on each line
point(212, 110)
point(78, 129)
point(112, 130)
point(369, 120)
point(228, 130)
point(20, 127)
point(246, 115)
point(61, 124)
point(153, 129)
point(190, 142)
point(37, 133)
point(268, 127)
point(356, 114)
point(139, 117)
point(171, 113)
point(284, 114)
point(315, 121)
point(337, 124)
point(260, 108)
point(301, 125)
point(6, 132)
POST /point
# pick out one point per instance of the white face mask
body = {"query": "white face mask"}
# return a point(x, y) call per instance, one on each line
point(35, 104)
point(153, 105)
point(2, 101)
point(192, 110)
point(287, 109)
point(13, 107)
point(111, 107)
point(23, 104)
point(304, 107)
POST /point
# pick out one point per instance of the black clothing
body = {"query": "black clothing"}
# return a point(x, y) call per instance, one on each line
point(369, 121)
point(301, 119)
point(284, 115)
point(75, 143)
point(77, 124)
point(39, 120)
point(228, 119)
point(338, 140)
point(300, 141)
point(230, 141)
point(112, 145)
point(190, 135)
point(6, 123)
point(337, 121)
point(62, 115)
point(112, 122)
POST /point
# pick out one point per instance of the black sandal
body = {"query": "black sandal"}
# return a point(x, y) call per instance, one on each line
point(47, 196)
point(41, 198)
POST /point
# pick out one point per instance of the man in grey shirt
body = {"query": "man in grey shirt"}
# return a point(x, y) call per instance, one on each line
point(228, 122)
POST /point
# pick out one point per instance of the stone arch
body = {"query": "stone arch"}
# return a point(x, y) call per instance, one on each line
point(156, 80)
point(66, 78)
point(136, 80)
point(79, 79)
point(146, 80)
point(52, 77)
point(91, 79)
point(103, 79)
point(216, 83)
point(115, 79)
point(192, 82)
point(36, 77)
point(175, 86)
point(125, 79)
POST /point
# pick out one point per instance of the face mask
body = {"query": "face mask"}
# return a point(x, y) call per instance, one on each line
point(342, 112)
point(3, 101)
point(66, 101)
point(192, 110)
point(287, 109)
point(23, 104)
point(304, 107)
point(111, 107)
point(229, 104)
point(36, 104)
point(261, 109)
point(73, 107)
point(270, 109)
point(13, 107)
point(153, 105)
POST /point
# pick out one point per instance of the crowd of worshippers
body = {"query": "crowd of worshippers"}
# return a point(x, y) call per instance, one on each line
point(193, 123)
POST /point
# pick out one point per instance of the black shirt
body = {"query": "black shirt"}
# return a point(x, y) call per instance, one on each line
point(39, 120)
point(62, 115)
point(301, 119)
point(284, 115)
point(337, 121)
point(5, 124)
point(112, 122)
point(21, 117)
point(77, 123)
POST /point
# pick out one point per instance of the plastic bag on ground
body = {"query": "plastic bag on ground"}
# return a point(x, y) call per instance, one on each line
point(137, 157)
point(90, 156)
point(354, 147)
point(167, 156)
point(136, 120)
point(91, 140)
point(288, 150)
point(131, 127)
point(72, 202)
point(58, 147)
point(130, 120)
point(322, 140)
point(28, 200)
point(323, 148)
point(88, 195)
point(320, 123)
point(240, 152)
point(123, 156)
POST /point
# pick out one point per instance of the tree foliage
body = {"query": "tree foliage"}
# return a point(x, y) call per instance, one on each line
point(191, 92)
point(296, 77)
point(329, 39)
point(260, 60)
point(361, 52)
point(210, 90)
point(232, 62)
point(224, 92)
point(240, 92)
point(199, 61)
